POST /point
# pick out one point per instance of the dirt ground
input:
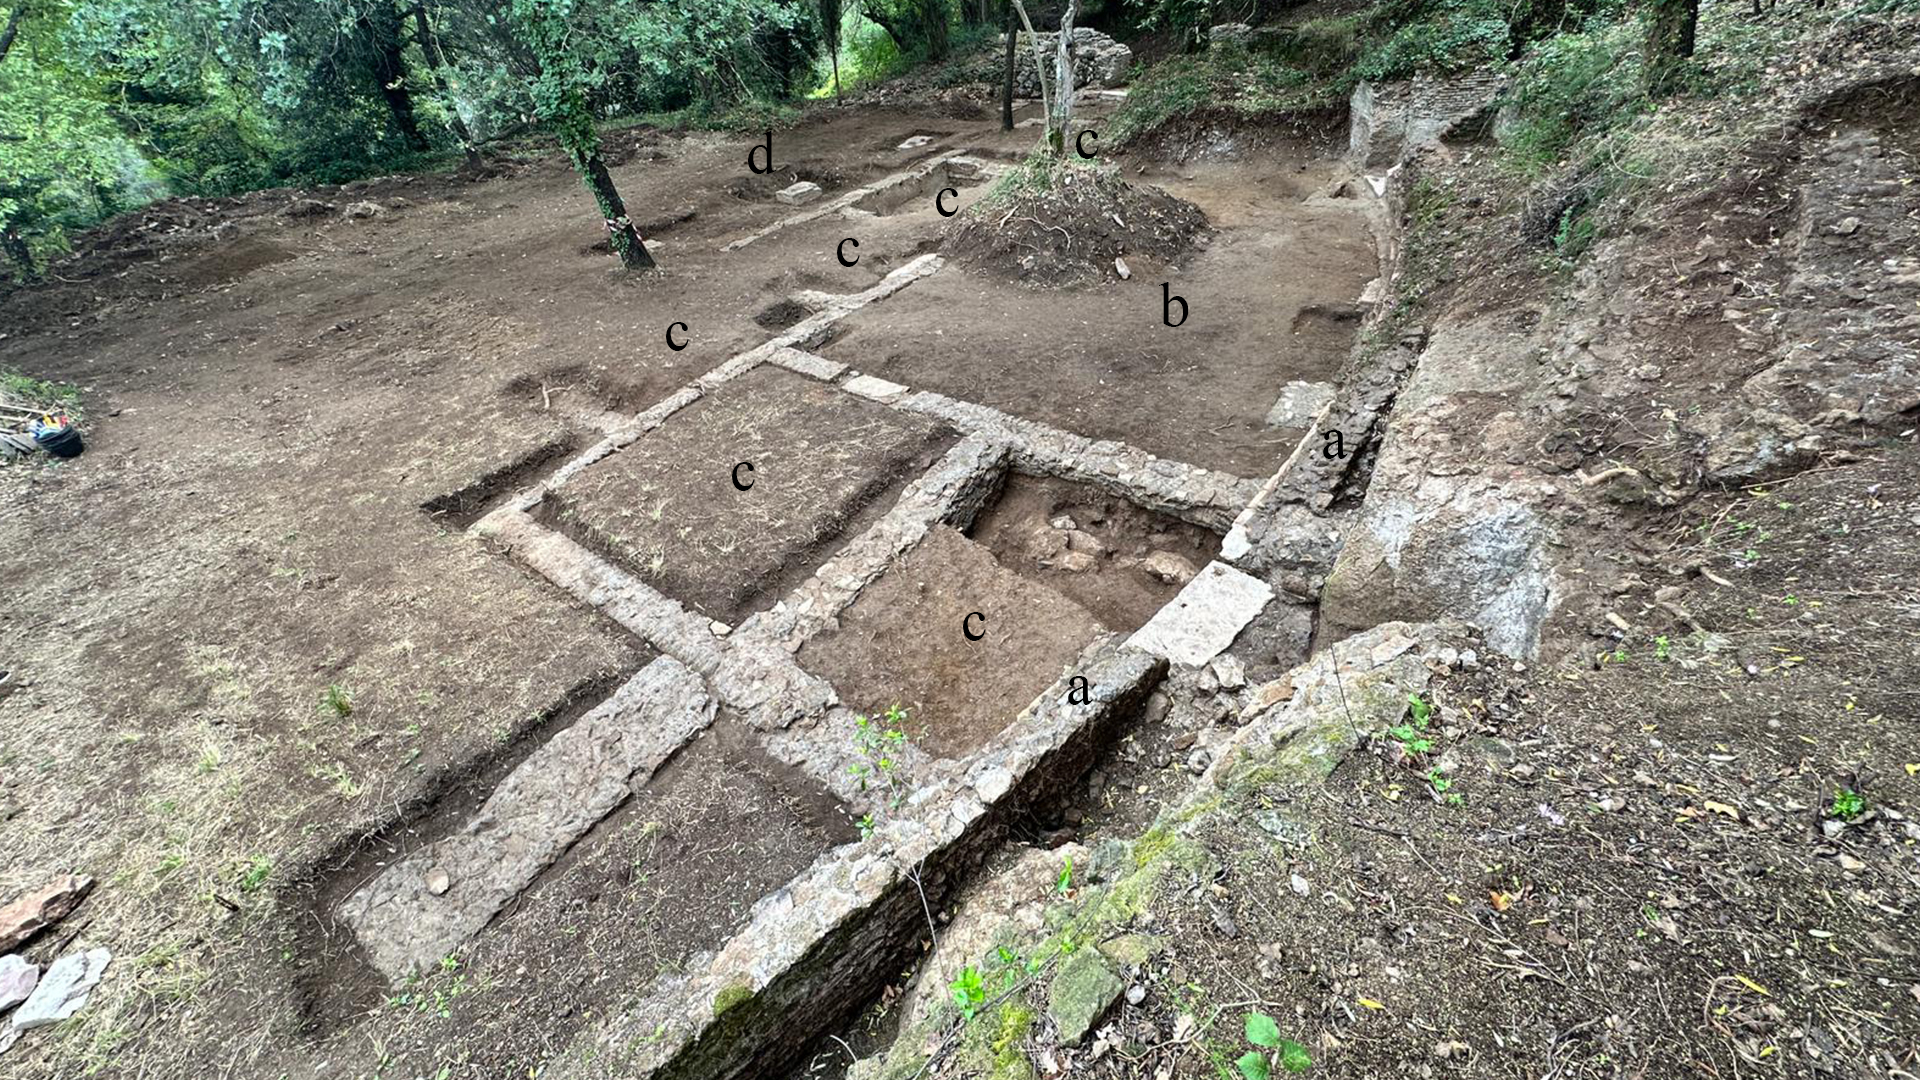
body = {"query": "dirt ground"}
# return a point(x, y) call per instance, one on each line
point(823, 465)
point(1101, 361)
point(900, 644)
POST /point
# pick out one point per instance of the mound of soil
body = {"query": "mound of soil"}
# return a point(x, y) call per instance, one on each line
point(1070, 230)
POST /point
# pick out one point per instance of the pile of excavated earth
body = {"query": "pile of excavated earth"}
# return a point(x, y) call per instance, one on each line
point(1413, 654)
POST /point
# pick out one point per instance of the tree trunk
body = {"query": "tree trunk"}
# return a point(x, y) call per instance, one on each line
point(442, 78)
point(836, 73)
point(561, 103)
point(1670, 41)
point(13, 28)
point(1006, 86)
point(1062, 120)
point(933, 19)
point(382, 28)
point(1039, 64)
point(626, 240)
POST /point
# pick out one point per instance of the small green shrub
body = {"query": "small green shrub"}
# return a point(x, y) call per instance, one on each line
point(337, 701)
point(969, 989)
point(1848, 804)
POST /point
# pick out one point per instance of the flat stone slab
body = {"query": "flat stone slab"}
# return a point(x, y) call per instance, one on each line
point(1298, 404)
point(1204, 619)
point(427, 904)
point(799, 194)
point(915, 142)
point(875, 389)
point(63, 990)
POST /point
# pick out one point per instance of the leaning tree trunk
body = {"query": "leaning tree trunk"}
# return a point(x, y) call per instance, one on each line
point(1670, 41)
point(561, 103)
point(1039, 63)
point(381, 25)
point(1062, 117)
point(626, 240)
point(1006, 86)
point(443, 78)
point(13, 28)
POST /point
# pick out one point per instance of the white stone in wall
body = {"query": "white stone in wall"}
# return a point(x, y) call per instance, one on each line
point(1202, 621)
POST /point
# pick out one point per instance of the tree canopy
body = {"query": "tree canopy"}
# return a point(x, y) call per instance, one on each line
point(105, 104)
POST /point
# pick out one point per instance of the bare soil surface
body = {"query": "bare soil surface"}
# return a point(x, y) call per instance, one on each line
point(901, 643)
point(672, 872)
point(823, 463)
point(1096, 549)
point(1102, 362)
point(291, 412)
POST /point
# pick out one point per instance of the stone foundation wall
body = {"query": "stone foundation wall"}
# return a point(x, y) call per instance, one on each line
point(1098, 61)
point(1385, 120)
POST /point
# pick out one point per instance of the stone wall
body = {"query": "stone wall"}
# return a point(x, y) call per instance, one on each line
point(1385, 120)
point(1098, 61)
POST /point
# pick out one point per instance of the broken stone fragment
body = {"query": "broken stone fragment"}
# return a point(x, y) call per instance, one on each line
point(1168, 567)
point(1083, 990)
point(18, 976)
point(799, 194)
point(64, 989)
point(1086, 542)
point(37, 910)
point(439, 881)
point(364, 209)
point(1077, 562)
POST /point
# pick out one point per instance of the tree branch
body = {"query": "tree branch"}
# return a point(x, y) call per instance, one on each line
point(13, 28)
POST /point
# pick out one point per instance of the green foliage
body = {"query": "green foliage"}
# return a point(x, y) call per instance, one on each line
point(1262, 1031)
point(254, 875)
point(1848, 804)
point(337, 701)
point(1226, 77)
point(969, 990)
point(1571, 85)
point(1410, 36)
point(878, 742)
point(42, 394)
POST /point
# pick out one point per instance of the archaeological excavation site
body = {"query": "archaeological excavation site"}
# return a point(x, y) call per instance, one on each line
point(960, 539)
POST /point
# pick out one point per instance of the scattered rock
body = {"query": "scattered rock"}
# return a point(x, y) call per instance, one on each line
point(1136, 994)
point(914, 142)
point(799, 194)
point(1081, 992)
point(309, 208)
point(17, 979)
point(439, 881)
point(1120, 267)
point(364, 210)
point(1064, 523)
point(1085, 541)
point(1198, 761)
point(37, 910)
point(1230, 673)
point(1300, 885)
point(1077, 562)
point(1168, 567)
point(64, 989)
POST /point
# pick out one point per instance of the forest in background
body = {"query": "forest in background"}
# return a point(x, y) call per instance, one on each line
point(106, 105)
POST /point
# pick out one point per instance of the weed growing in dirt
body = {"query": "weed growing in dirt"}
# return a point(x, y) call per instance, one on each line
point(1848, 804)
point(879, 742)
point(25, 390)
point(1662, 648)
point(337, 701)
point(1275, 1049)
point(969, 989)
point(1415, 741)
point(1064, 883)
point(435, 993)
point(255, 873)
